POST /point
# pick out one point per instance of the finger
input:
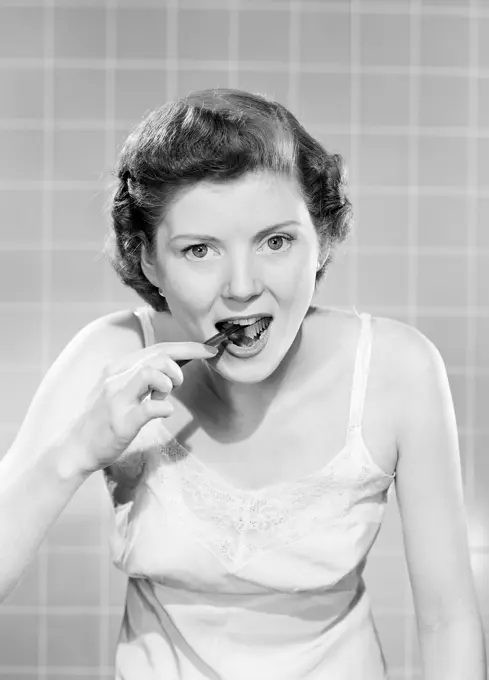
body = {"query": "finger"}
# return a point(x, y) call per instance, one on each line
point(148, 379)
point(148, 410)
point(170, 368)
point(156, 355)
point(183, 351)
point(161, 363)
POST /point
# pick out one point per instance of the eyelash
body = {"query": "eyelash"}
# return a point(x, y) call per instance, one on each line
point(287, 237)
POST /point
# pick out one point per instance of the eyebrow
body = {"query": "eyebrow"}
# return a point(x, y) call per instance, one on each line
point(258, 236)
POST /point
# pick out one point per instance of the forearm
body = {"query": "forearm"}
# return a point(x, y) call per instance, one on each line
point(455, 651)
point(33, 492)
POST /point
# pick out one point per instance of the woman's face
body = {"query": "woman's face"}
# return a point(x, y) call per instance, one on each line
point(239, 250)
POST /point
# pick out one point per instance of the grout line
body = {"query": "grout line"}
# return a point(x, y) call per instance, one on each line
point(363, 190)
point(64, 549)
point(46, 280)
point(415, 7)
point(62, 610)
point(233, 43)
point(171, 64)
point(294, 57)
point(355, 124)
point(452, 312)
point(110, 142)
point(58, 671)
point(427, 251)
point(413, 160)
point(11, 428)
point(462, 132)
point(382, 7)
point(462, 430)
point(469, 371)
point(93, 611)
point(94, 247)
point(109, 123)
point(472, 205)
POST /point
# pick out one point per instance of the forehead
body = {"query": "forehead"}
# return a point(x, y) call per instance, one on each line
point(256, 199)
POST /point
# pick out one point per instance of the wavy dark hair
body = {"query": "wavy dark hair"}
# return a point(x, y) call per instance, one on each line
point(216, 135)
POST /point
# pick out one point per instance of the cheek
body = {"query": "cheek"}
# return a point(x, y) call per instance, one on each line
point(189, 296)
point(299, 274)
point(187, 291)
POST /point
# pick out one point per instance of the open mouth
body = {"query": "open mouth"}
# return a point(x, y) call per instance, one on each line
point(248, 334)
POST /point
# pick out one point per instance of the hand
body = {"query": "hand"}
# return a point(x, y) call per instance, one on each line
point(130, 393)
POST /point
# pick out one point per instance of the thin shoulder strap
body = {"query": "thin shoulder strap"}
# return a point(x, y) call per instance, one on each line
point(142, 314)
point(360, 374)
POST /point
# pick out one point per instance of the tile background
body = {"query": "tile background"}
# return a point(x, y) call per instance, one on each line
point(401, 89)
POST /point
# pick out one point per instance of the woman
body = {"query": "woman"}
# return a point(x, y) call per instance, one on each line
point(250, 484)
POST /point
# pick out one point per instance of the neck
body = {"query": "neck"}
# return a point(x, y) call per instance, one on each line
point(242, 406)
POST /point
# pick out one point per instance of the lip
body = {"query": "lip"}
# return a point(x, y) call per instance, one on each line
point(246, 352)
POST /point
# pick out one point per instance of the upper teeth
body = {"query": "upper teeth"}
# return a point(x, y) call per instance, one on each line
point(245, 322)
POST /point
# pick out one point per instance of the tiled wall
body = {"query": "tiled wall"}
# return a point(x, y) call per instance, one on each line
point(400, 87)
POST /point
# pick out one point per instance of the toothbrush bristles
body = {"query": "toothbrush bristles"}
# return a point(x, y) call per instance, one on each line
point(218, 339)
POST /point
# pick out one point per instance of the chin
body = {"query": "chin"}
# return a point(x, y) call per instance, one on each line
point(245, 372)
point(244, 380)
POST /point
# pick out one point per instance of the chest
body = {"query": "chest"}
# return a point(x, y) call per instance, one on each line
point(299, 436)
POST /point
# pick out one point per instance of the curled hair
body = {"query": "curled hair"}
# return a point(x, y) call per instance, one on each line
point(216, 135)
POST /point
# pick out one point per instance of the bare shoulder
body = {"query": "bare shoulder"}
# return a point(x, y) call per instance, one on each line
point(68, 382)
point(406, 352)
point(405, 365)
point(414, 375)
point(101, 342)
point(402, 350)
point(109, 336)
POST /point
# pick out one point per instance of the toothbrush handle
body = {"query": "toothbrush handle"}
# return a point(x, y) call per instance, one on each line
point(215, 341)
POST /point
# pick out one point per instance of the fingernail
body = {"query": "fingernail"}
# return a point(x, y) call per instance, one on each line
point(214, 350)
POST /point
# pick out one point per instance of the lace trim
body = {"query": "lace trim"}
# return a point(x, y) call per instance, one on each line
point(237, 524)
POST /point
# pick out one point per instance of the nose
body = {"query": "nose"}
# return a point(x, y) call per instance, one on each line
point(241, 280)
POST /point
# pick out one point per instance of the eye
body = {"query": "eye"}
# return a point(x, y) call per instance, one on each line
point(278, 240)
point(199, 250)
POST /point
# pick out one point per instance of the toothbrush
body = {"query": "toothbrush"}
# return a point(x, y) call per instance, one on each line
point(216, 340)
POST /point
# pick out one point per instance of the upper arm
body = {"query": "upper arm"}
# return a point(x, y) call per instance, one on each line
point(429, 485)
point(64, 390)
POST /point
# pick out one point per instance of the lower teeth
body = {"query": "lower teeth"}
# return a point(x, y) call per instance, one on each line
point(244, 341)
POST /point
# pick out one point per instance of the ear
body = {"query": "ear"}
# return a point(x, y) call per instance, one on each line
point(323, 257)
point(148, 267)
